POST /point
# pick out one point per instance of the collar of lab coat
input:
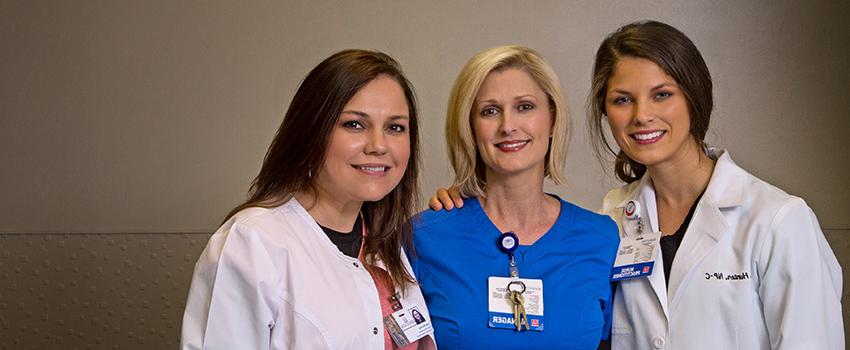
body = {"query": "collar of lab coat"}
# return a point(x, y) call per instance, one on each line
point(726, 190)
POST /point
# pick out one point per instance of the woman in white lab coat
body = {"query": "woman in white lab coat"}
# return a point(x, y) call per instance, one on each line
point(741, 264)
point(314, 260)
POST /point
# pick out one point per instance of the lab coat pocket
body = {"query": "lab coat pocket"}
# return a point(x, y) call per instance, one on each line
point(621, 330)
point(621, 338)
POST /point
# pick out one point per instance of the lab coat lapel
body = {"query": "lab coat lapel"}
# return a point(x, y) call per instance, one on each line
point(644, 193)
point(650, 211)
point(708, 224)
point(705, 229)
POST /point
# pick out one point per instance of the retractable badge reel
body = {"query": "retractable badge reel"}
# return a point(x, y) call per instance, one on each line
point(508, 242)
point(636, 254)
point(632, 213)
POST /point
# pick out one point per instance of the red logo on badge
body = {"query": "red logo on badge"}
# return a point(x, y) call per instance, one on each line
point(535, 323)
point(646, 269)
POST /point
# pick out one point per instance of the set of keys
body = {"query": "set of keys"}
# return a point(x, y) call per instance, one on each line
point(516, 288)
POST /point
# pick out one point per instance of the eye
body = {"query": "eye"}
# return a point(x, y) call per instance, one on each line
point(662, 95)
point(353, 125)
point(621, 100)
point(489, 111)
point(525, 106)
point(397, 128)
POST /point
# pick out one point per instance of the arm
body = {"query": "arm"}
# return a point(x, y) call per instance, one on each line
point(232, 303)
point(446, 199)
point(800, 283)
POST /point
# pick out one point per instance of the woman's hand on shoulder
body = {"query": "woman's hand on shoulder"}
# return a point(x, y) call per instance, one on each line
point(446, 199)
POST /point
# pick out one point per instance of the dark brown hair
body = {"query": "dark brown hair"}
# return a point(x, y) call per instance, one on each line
point(671, 50)
point(302, 140)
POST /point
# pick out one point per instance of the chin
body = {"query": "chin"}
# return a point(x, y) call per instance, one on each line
point(646, 159)
point(375, 194)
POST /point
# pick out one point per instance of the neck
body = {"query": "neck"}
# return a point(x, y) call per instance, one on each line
point(519, 204)
point(329, 211)
point(680, 182)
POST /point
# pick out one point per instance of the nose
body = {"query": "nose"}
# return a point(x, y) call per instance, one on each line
point(507, 126)
point(376, 144)
point(643, 113)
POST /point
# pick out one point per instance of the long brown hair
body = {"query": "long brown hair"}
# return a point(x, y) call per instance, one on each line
point(302, 140)
point(671, 50)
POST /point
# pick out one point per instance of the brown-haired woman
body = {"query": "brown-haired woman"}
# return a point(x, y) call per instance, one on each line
point(314, 259)
point(741, 264)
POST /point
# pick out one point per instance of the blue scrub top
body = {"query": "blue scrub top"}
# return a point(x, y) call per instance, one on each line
point(456, 251)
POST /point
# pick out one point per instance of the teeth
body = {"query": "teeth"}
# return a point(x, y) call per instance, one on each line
point(372, 168)
point(648, 136)
point(512, 145)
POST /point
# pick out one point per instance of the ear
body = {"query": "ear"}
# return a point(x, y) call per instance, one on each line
point(552, 112)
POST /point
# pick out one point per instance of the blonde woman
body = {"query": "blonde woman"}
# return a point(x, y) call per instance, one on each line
point(516, 267)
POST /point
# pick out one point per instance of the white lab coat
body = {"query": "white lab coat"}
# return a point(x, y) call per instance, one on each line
point(272, 279)
point(754, 271)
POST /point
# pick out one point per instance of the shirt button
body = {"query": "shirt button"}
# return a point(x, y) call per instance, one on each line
point(356, 265)
point(374, 330)
point(657, 342)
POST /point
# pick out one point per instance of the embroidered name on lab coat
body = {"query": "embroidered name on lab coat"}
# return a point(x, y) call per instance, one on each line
point(719, 276)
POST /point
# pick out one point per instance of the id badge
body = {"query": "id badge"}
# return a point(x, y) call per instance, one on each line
point(407, 325)
point(501, 310)
point(635, 256)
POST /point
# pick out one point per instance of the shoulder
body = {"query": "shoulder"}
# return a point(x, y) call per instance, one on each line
point(762, 205)
point(766, 202)
point(429, 218)
point(598, 223)
point(783, 214)
point(266, 228)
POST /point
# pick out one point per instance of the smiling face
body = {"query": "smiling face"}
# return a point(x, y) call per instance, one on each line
point(648, 114)
point(511, 122)
point(369, 146)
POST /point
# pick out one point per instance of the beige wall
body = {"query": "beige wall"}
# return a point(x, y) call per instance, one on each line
point(121, 120)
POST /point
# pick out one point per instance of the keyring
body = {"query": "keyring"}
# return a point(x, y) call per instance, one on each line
point(519, 283)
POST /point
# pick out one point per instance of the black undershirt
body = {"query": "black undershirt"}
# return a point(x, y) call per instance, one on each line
point(347, 242)
point(670, 244)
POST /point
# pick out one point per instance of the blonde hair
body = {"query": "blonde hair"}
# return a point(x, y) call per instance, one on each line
point(463, 154)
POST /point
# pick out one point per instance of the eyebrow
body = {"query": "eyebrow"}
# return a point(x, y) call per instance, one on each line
point(515, 98)
point(357, 113)
point(659, 86)
point(362, 114)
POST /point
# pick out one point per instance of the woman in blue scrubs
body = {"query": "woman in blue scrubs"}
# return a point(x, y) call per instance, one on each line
point(507, 129)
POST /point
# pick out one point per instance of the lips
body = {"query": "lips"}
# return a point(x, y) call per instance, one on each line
point(512, 145)
point(648, 137)
point(372, 169)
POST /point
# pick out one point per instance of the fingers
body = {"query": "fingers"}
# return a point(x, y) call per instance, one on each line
point(445, 199)
point(455, 194)
point(435, 204)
